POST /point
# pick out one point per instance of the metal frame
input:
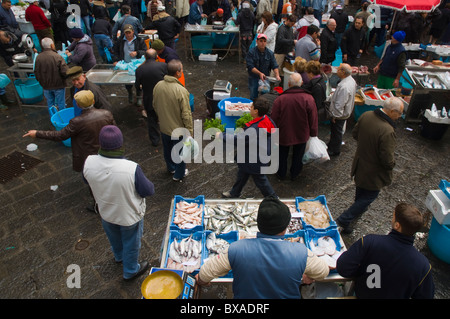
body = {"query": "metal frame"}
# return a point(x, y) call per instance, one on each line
point(209, 29)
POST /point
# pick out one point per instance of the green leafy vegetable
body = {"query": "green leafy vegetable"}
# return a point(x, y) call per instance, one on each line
point(244, 119)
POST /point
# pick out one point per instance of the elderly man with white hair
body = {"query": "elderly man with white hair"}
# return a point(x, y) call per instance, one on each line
point(50, 70)
point(295, 114)
point(328, 43)
point(341, 107)
point(374, 160)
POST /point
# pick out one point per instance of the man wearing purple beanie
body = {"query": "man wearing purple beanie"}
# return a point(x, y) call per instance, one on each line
point(392, 64)
point(119, 187)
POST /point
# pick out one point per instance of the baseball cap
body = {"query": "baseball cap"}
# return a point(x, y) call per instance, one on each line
point(261, 35)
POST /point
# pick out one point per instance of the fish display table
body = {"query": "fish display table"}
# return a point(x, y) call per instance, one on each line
point(430, 84)
point(240, 225)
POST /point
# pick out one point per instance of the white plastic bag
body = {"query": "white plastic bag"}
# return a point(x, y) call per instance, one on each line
point(190, 150)
point(315, 151)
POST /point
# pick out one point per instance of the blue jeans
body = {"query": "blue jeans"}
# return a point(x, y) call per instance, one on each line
point(253, 87)
point(87, 24)
point(56, 97)
point(363, 198)
point(103, 41)
point(168, 145)
point(125, 244)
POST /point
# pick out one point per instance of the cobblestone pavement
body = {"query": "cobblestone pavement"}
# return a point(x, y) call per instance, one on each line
point(40, 228)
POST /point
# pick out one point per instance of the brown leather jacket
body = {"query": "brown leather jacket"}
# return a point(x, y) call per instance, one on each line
point(83, 130)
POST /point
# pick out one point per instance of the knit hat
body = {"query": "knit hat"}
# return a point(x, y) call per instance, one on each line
point(219, 11)
point(76, 33)
point(157, 44)
point(273, 216)
point(110, 138)
point(161, 8)
point(399, 36)
point(84, 98)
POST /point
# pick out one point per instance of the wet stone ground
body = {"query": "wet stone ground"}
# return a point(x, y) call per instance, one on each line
point(42, 231)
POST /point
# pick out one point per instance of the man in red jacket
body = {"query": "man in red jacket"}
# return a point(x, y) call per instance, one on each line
point(41, 25)
point(295, 114)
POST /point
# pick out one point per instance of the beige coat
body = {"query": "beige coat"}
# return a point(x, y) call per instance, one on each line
point(171, 104)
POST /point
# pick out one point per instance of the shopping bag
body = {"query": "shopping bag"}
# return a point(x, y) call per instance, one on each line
point(4, 80)
point(315, 151)
point(253, 44)
point(190, 150)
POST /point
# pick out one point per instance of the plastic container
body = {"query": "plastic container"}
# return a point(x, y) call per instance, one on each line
point(191, 101)
point(29, 91)
point(211, 104)
point(202, 44)
point(199, 200)
point(332, 232)
point(433, 131)
point(178, 236)
point(60, 119)
point(230, 237)
point(230, 121)
point(439, 204)
point(439, 240)
point(323, 201)
point(221, 40)
point(443, 185)
point(360, 109)
point(298, 234)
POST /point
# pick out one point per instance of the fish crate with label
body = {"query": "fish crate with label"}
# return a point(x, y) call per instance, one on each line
point(326, 244)
point(316, 214)
point(300, 236)
point(216, 244)
point(187, 214)
point(185, 251)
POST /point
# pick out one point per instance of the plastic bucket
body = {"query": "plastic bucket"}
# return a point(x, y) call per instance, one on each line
point(230, 121)
point(30, 91)
point(60, 120)
point(221, 40)
point(211, 104)
point(439, 240)
point(191, 101)
point(202, 44)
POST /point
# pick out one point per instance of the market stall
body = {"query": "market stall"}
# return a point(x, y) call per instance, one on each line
point(202, 39)
point(210, 225)
point(431, 85)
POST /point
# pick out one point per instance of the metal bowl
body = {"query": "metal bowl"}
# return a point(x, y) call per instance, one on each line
point(20, 57)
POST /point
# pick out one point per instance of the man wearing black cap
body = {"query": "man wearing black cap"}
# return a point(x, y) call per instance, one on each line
point(119, 187)
point(266, 267)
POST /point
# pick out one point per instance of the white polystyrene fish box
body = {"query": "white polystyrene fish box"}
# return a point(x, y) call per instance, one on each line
point(439, 204)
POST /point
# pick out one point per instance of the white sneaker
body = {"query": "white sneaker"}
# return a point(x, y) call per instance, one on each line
point(186, 173)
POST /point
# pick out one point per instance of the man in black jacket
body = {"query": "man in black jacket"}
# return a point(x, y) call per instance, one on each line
point(147, 75)
point(168, 28)
point(328, 43)
point(341, 19)
point(128, 47)
point(285, 41)
point(389, 266)
point(353, 42)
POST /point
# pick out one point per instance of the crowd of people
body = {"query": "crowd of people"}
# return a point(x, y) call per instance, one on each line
point(272, 33)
